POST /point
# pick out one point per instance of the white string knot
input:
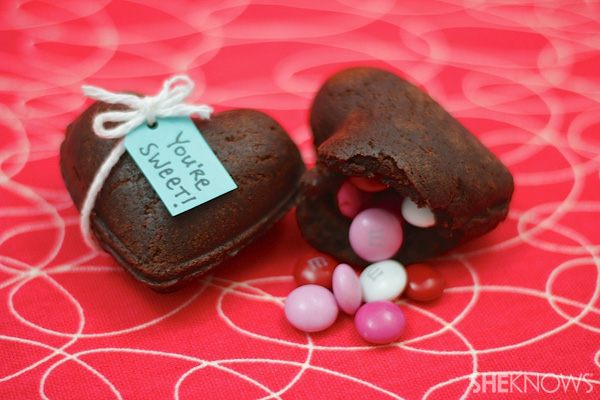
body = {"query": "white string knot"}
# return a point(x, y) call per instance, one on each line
point(167, 103)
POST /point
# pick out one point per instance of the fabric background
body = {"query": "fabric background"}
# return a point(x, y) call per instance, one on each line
point(521, 304)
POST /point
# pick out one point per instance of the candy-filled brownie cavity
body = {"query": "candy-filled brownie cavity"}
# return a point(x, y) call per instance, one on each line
point(385, 144)
point(379, 217)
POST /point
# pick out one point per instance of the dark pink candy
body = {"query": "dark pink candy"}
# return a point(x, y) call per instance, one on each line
point(380, 322)
point(351, 200)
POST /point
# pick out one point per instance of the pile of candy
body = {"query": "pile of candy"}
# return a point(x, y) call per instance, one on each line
point(375, 235)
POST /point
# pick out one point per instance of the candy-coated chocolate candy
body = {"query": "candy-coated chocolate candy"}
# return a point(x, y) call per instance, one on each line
point(370, 185)
point(375, 234)
point(351, 200)
point(424, 282)
point(380, 322)
point(314, 268)
point(383, 280)
point(311, 308)
point(422, 217)
point(346, 289)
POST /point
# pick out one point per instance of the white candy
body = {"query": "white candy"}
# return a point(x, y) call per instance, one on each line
point(383, 280)
point(421, 217)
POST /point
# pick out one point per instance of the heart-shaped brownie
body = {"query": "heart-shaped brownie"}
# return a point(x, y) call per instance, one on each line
point(372, 124)
point(166, 252)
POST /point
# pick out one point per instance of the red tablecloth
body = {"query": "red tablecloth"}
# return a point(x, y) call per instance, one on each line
point(520, 317)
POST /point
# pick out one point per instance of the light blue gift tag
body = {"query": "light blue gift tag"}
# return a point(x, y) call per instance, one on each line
point(178, 163)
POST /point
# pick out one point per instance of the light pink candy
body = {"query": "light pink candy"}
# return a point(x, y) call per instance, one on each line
point(375, 234)
point(346, 288)
point(311, 308)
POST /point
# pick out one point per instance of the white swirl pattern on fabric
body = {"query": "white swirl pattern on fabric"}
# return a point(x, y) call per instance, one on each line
point(523, 300)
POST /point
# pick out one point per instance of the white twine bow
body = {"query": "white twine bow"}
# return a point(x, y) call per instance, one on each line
point(167, 103)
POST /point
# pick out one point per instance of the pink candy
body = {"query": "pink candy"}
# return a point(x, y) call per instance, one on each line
point(351, 201)
point(375, 234)
point(380, 322)
point(311, 308)
point(346, 289)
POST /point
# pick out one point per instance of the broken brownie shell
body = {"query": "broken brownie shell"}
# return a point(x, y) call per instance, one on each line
point(371, 123)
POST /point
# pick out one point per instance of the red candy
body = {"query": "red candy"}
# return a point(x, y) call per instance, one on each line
point(315, 268)
point(424, 283)
point(370, 185)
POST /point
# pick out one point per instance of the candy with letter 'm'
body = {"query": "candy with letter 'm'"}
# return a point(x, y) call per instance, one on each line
point(383, 280)
point(375, 234)
point(314, 268)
